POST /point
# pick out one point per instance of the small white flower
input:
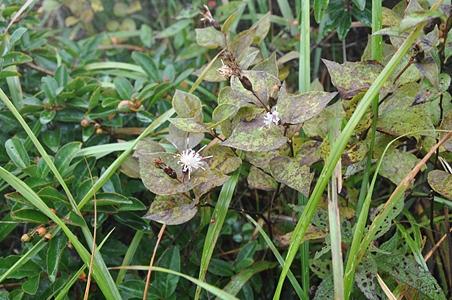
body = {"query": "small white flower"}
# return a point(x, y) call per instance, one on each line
point(272, 117)
point(225, 70)
point(191, 160)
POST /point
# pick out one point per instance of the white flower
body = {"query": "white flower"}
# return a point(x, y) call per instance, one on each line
point(225, 70)
point(191, 160)
point(272, 117)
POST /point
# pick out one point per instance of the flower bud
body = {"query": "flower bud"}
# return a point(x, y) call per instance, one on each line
point(48, 236)
point(84, 123)
point(41, 230)
point(25, 238)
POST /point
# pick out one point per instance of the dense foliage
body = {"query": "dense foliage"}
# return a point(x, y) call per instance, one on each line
point(186, 130)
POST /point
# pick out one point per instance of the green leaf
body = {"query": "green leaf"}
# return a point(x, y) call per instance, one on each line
point(166, 284)
point(148, 65)
point(319, 9)
point(6, 74)
point(17, 153)
point(31, 285)
point(238, 281)
point(172, 210)
point(46, 116)
point(124, 88)
point(209, 37)
point(65, 155)
point(292, 173)
point(173, 29)
point(441, 182)
point(256, 136)
point(14, 58)
point(296, 109)
point(54, 252)
point(29, 215)
point(146, 35)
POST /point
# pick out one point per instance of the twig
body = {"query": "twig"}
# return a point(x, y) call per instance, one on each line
point(436, 246)
point(148, 277)
point(40, 69)
point(122, 46)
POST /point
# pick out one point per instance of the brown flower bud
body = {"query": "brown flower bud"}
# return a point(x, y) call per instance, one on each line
point(48, 236)
point(84, 123)
point(99, 131)
point(41, 230)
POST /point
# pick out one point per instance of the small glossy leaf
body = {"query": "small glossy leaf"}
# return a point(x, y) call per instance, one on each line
point(123, 87)
point(46, 116)
point(14, 58)
point(17, 153)
point(172, 210)
point(31, 285)
point(54, 252)
point(29, 215)
point(65, 155)
point(173, 29)
point(148, 65)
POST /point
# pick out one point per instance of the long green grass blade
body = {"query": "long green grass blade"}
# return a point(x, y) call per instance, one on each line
point(219, 215)
point(238, 281)
point(210, 288)
point(337, 150)
point(129, 255)
point(304, 83)
point(300, 293)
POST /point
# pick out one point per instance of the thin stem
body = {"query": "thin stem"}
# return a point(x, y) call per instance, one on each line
point(148, 277)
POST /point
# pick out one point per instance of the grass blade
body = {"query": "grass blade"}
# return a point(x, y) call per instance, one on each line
point(300, 293)
point(337, 150)
point(99, 273)
point(238, 281)
point(304, 83)
point(129, 255)
point(210, 288)
point(219, 215)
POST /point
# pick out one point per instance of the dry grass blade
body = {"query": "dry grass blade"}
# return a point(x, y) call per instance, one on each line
point(436, 246)
point(385, 288)
point(148, 277)
point(19, 13)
